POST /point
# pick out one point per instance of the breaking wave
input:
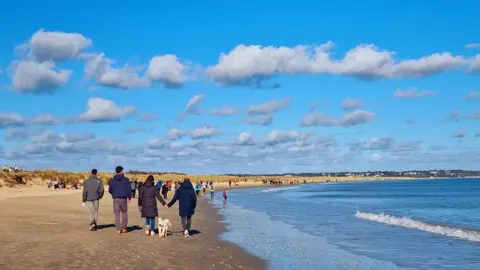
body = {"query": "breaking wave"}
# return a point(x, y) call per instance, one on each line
point(406, 222)
point(279, 189)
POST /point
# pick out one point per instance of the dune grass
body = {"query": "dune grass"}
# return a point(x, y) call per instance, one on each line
point(41, 177)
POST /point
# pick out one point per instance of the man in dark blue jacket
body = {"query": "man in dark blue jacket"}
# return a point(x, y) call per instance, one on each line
point(185, 194)
point(119, 187)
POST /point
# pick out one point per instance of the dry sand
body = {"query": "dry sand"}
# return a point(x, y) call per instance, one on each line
point(33, 191)
point(51, 232)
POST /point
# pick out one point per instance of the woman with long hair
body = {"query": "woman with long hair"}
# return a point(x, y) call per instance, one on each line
point(148, 195)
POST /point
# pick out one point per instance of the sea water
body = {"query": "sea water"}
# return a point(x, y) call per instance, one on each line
point(416, 224)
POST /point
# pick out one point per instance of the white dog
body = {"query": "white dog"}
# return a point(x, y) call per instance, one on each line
point(163, 225)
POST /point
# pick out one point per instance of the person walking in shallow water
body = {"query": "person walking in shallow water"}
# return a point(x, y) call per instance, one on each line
point(119, 188)
point(212, 190)
point(225, 195)
point(92, 193)
point(187, 198)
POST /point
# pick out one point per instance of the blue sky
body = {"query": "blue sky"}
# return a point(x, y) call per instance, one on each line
point(96, 84)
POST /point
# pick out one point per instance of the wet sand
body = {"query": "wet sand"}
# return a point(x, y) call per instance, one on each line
point(51, 232)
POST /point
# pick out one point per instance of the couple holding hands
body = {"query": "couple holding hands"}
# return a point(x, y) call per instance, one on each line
point(147, 203)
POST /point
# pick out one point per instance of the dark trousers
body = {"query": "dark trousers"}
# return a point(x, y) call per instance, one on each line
point(133, 192)
point(186, 222)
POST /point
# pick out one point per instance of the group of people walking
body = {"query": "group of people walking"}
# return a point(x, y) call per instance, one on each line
point(202, 188)
point(122, 191)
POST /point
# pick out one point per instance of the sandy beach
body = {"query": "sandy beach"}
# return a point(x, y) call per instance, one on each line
point(45, 229)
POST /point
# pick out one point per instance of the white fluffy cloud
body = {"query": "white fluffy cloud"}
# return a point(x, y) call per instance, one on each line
point(260, 120)
point(167, 69)
point(192, 106)
point(56, 46)
point(224, 111)
point(356, 117)
point(249, 64)
point(103, 110)
point(351, 104)
point(204, 132)
point(381, 143)
point(473, 95)
point(269, 107)
point(164, 69)
point(37, 73)
point(78, 137)
point(472, 46)
point(278, 136)
point(98, 110)
point(280, 151)
point(100, 68)
point(474, 64)
point(376, 157)
point(16, 134)
point(11, 120)
point(175, 134)
point(244, 138)
point(34, 77)
point(413, 93)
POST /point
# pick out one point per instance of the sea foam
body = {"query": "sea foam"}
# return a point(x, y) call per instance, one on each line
point(422, 226)
point(286, 247)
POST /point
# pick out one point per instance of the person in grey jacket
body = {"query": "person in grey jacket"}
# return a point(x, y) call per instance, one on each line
point(92, 193)
point(133, 186)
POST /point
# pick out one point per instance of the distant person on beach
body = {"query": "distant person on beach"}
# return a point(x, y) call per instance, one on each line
point(225, 197)
point(212, 190)
point(197, 189)
point(159, 184)
point(165, 191)
point(229, 183)
point(92, 193)
point(147, 204)
point(119, 187)
point(204, 187)
point(187, 204)
point(133, 186)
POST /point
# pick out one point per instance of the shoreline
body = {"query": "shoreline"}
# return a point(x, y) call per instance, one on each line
point(246, 259)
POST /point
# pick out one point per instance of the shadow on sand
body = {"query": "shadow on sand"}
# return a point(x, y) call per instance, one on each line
point(194, 232)
point(191, 232)
point(134, 228)
point(105, 226)
point(129, 229)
